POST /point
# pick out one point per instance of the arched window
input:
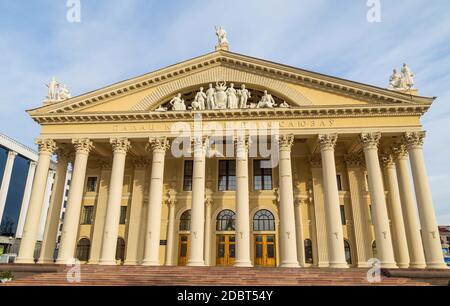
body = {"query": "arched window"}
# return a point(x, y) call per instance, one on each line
point(374, 249)
point(348, 252)
point(263, 221)
point(83, 249)
point(308, 251)
point(185, 221)
point(120, 250)
point(226, 221)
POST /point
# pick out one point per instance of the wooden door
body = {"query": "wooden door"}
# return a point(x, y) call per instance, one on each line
point(183, 250)
point(265, 255)
point(226, 250)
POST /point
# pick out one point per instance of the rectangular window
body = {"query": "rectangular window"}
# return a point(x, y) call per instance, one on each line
point(339, 182)
point(188, 174)
point(343, 218)
point(123, 214)
point(262, 177)
point(92, 184)
point(227, 175)
point(87, 215)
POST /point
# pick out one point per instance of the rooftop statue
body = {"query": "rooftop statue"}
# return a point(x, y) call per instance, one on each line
point(222, 37)
point(403, 80)
point(64, 93)
point(53, 90)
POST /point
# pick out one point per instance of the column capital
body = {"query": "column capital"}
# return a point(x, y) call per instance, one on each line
point(286, 141)
point(209, 202)
point(316, 161)
point(47, 146)
point(328, 141)
point(387, 160)
point(140, 163)
point(62, 154)
point(414, 140)
point(399, 151)
point(354, 160)
point(161, 144)
point(242, 142)
point(370, 140)
point(82, 146)
point(12, 154)
point(120, 145)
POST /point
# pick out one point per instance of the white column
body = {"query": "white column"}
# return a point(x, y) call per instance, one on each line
point(26, 198)
point(288, 239)
point(111, 230)
point(208, 231)
point(242, 204)
point(196, 257)
point(300, 236)
point(158, 146)
point(31, 228)
point(72, 217)
point(170, 233)
point(54, 212)
point(6, 180)
point(335, 234)
point(385, 251)
point(430, 233)
point(398, 225)
point(409, 209)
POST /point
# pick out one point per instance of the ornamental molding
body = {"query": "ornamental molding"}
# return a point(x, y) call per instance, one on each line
point(248, 64)
point(399, 151)
point(47, 146)
point(120, 145)
point(83, 146)
point(354, 160)
point(414, 140)
point(158, 144)
point(286, 142)
point(370, 140)
point(387, 160)
point(327, 141)
point(314, 112)
point(316, 161)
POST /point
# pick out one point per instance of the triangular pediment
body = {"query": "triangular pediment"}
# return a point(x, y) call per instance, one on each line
point(300, 88)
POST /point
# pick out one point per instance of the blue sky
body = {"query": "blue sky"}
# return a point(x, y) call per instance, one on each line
point(119, 39)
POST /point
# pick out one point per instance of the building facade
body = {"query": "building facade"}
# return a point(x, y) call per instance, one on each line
point(336, 194)
point(17, 168)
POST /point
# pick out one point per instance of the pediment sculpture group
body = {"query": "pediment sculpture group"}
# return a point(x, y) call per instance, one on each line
point(57, 92)
point(222, 97)
point(403, 80)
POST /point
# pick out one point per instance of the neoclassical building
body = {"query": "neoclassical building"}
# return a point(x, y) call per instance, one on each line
point(338, 194)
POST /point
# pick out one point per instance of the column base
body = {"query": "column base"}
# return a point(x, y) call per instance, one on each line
point(416, 266)
point(405, 266)
point(24, 261)
point(69, 261)
point(363, 265)
point(339, 265)
point(92, 262)
point(289, 265)
point(437, 266)
point(196, 264)
point(389, 265)
point(131, 263)
point(151, 263)
point(107, 263)
point(46, 261)
point(323, 265)
point(243, 264)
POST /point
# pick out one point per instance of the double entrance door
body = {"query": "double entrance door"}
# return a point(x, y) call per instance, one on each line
point(265, 255)
point(183, 249)
point(226, 250)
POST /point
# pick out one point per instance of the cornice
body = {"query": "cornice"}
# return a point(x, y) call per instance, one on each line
point(314, 112)
point(274, 70)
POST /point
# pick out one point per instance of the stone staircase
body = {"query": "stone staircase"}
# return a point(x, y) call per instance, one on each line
point(206, 276)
